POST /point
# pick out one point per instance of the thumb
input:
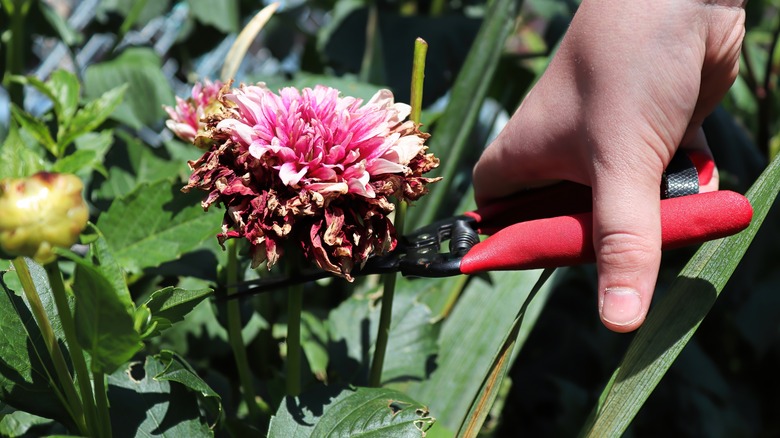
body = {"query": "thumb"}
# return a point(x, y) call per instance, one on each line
point(627, 240)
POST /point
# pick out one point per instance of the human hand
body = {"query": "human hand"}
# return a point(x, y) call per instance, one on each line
point(630, 83)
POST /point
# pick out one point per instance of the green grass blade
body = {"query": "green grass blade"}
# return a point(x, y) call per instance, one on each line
point(471, 335)
point(671, 324)
point(491, 385)
point(471, 86)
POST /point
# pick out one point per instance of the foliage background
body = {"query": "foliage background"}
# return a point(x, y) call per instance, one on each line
point(723, 384)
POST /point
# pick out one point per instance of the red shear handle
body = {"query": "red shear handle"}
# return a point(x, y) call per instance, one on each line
point(568, 240)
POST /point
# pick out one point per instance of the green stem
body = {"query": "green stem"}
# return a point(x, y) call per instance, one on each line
point(15, 50)
point(386, 312)
point(418, 77)
point(234, 335)
point(101, 397)
point(50, 339)
point(389, 280)
point(76, 353)
point(294, 308)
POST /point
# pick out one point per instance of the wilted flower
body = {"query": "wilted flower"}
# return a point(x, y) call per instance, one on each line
point(39, 213)
point(186, 119)
point(312, 168)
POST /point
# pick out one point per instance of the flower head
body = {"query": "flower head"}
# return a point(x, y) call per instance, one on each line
point(186, 119)
point(314, 168)
point(40, 213)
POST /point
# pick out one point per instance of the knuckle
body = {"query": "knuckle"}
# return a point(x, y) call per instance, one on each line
point(627, 250)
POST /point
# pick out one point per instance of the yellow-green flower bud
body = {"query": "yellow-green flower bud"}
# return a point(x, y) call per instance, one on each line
point(40, 213)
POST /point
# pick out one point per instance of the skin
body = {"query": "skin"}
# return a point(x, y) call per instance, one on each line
point(630, 84)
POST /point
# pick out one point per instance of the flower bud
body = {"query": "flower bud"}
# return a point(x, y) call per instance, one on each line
point(39, 213)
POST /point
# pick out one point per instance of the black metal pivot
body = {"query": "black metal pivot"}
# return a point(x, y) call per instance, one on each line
point(680, 177)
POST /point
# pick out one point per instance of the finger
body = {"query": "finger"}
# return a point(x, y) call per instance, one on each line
point(627, 240)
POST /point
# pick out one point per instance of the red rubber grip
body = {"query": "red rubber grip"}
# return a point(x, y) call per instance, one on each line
point(568, 240)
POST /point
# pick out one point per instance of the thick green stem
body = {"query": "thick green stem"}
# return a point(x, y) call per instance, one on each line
point(101, 397)
point(386, 312)
point(235, 338)
point(15, 50)
point(76, 353)
point(294, 308)
point(418, 77)
point(389, 280)
point(50, 339)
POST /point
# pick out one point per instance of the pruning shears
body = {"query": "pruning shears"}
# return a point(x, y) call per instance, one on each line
point(543, 228)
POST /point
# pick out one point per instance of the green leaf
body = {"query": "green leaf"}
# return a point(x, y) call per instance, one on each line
point(222, 15)
point(297, 417)
point(65, 90)
point(332, 411)
point(412, 335)
point(676, 317)
point(178, 370)
point(147, 86)
point(41, 281)
point(76, 161)
point(156, 223)
point(104, 324)
point(26, 371)
point(36, 128)
point(375, 412)
point(132, 162)
point(17, 158)
point(144, 406)
point(453, 129)
point(202, 337)
point(19, 423)
point(492, 383)
point(169, 306)
point(471, 335)
point(91, 116)
point(314, 341)
point(91, 149)
point(125, 8)
point(105, 262)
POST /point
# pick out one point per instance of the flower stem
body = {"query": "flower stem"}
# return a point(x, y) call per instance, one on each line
point(418, 77)
point(76, 353)
point(50, 339)
point(386, 312)
point(294, 308)
point(234, 335)
point(101, 397)
point(389, 280)
point(15, 51)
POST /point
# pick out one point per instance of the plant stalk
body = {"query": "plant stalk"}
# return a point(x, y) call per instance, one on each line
point(235, 338)
point(76, 353)
point(73, 404)
point(389, 280)
point(386, 312)
point(418, 78)
point(101, 397)
point(15, 50)
point(294, 309)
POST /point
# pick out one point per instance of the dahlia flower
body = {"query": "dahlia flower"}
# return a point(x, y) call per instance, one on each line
point(40, 213)
point(186, 119)
point(311, 168)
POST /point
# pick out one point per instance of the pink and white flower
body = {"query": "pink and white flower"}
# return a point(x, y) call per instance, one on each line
point(313, 168)
point(187, 117)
